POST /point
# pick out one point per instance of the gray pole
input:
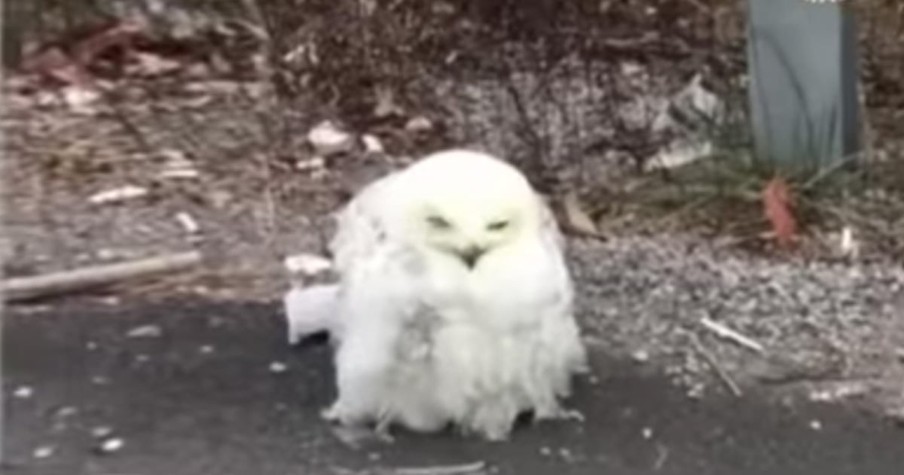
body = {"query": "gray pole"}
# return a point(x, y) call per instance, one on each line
point(802, 60)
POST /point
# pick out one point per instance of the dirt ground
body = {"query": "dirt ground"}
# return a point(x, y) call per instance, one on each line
point(203, 398)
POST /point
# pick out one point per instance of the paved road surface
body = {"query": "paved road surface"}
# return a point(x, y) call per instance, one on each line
point(201, 399)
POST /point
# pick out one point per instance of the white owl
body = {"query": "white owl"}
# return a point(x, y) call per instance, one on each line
point(454, 303)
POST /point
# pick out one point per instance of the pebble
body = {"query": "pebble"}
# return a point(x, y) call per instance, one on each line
point(110, 446)
point(43, 452)
point(23, 392)
point(278, 367)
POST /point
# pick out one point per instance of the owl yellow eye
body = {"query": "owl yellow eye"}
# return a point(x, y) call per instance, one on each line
point(438, 222)
point(498, 225)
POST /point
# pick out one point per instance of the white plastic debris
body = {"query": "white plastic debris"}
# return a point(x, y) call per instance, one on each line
point(310, 311)
point(278, 367)
point(678, 155)
point(117, 195)
point(23, 392)
point(372, 144)
point(327, 139)
point(188, 223)
point(145, 331)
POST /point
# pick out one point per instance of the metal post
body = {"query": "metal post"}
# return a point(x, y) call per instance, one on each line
point(802, 57)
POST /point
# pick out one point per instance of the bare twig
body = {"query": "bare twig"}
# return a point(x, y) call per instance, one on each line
point(717, 368)
point(729, 334)
point(24, 288)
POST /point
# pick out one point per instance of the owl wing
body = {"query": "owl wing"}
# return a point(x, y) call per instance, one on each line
point(559, 352)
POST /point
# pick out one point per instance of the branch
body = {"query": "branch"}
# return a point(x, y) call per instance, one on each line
point(25, 288)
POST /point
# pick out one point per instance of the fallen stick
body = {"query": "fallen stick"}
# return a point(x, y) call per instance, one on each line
point(25, 288)
point(717, 368)
point(442, 469)
point(728, 333)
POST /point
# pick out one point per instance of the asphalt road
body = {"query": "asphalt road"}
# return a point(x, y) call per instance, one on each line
point(202, 398)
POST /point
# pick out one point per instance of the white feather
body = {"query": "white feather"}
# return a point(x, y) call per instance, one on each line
point(424, 339)
point(310, 310)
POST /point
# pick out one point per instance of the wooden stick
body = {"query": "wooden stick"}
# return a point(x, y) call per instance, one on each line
point(442, 469)
point(714, 364)
point(727, 333)
point(25, 288)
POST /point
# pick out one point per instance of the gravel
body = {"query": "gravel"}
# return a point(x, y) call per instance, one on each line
point(818, 320)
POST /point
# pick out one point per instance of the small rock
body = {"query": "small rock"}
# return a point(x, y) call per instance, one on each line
point(145, 331)
point(206, 349)
point(43, 452)
point(840, 391)
point(91, 346)
point(327, 139)
point(372, 144)
point(117, 195)
point(815, 425)
point(277, 367)
point(81, 100)
point(419, 124)
point(66, 411)
point(545, 451)
point(142, 358)
point(896, 415)
point(110, 446)
point(641, 356)
point(313, 164)
point(647, 433)
point(101, 432)
point(100, 380)
point(23, 392)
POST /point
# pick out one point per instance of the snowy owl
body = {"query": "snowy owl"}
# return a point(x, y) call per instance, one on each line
point(454, 302)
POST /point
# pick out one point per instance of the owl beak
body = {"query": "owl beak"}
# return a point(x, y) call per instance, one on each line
point(470, 255)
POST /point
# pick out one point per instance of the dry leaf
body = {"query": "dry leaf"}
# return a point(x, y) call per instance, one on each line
point(777, 207)
point(575, 216)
